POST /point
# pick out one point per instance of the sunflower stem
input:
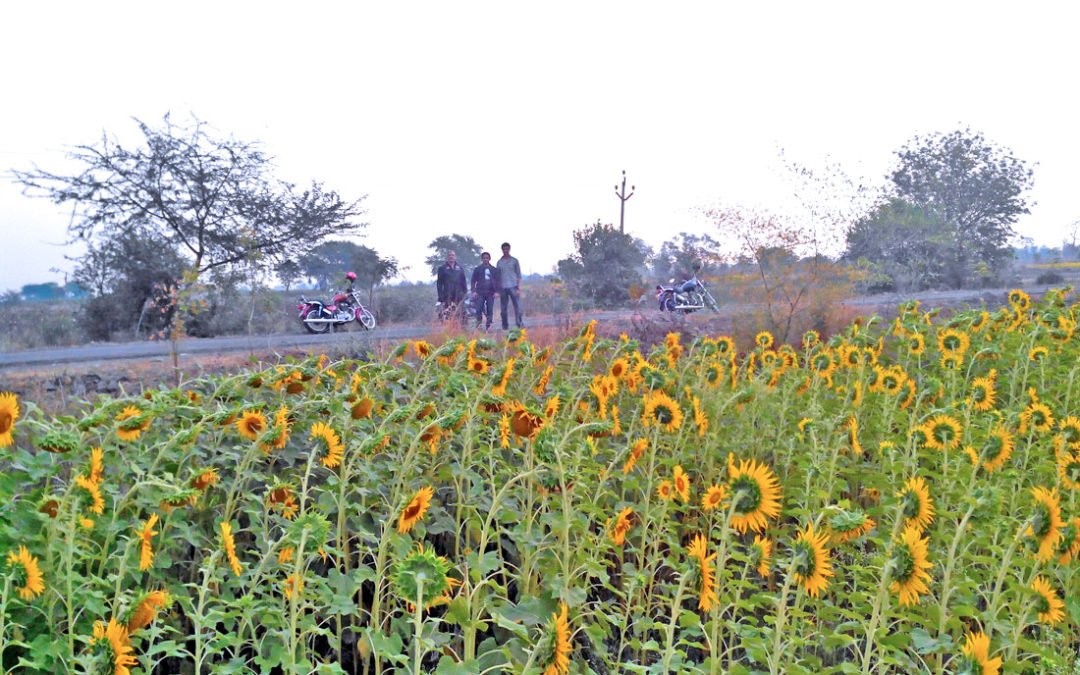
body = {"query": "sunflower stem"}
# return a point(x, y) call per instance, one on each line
point(669, 641)
point(3, 616)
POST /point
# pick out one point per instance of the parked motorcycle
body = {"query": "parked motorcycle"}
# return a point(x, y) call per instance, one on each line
point(686, 297)
point(319, 317)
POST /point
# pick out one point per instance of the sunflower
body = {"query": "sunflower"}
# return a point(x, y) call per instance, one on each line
point(281, 497)
point(335, 451)
point(131, 422)
point(635, 454)
point(1070, 431)
point(910, 565)
point(504, 431)
point(714, 497)
point(542, 383)
point(144, 611)
point(27, 576)
point(423, 349)
point(1068, 548)
point(823, 363)
point(97, 502)
point(999, 447)
point(849, 525)
point(619, 367)
point(96, 466)
point(713, 374)
point(251, 424)
point(661, 409)
point(230, 547)
point(811, 563)
point(976, 654)
point(499, 389)
point(810, 338)
point(551, 407)
point(916, 344)
point(764, 339)
point(761, 555)
point(1038, 417)
point(1046, 523)
point(665, 490)
point(415, 510)
point(918, 508)
point(943, 433)
point(146, 534)
point(756, 494)
point(950, 340)
point(699, 549)
point(1048, 605)
point(9, 412)
point(113, 642)
point(1019, 299)
point(681, 482)
point(478, 366)
point(205, 478)
point(291, 584)
point(983, 395)
point(1068, 469)
point(622, 526)
point(559, 647)
point(524, 421)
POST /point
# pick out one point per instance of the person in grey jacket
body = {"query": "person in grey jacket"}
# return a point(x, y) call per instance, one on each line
point(510, 286)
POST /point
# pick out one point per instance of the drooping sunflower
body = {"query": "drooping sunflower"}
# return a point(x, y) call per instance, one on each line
point(812, 565)
point(541, 385)
point(681, 482)
point(916, 504)
point(9, 412)
point(422, 348)
point(976, 655)
point(146, 609)
point(230, 547)
point(701, 420)
point(983, 395)
point(27, 577)
point(422, 565)
point(335, 451)
point(1068, 469)
point(943, 433)
point(557, 652)
point(622, 526)
point(761, 554)
point(847, 526)
point(910, 565)
point(1047, 603)
point(504, 431)
point(524, 421)
point(662, 410)
point(204, 478)
point(756, 494)
point(1068, 549)
point(1038, 353)
point(416, 508)
point(146, 535)
point(282, 426)
point(112, 644)
point(251, 424)
point(131, 422)
point(699, 549)
point(636, 451)
point(714, 497)
point(551, 408)
point(97, 502)
point(1046, 523)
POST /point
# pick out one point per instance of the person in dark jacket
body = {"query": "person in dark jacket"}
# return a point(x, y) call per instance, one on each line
point(485, 283)
point(450, 285)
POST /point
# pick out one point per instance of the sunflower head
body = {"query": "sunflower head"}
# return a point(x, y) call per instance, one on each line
point(915, 503)
point(60, 441)
point(111, 648)
point(25, 574)
point(421, 575)
point(9, 412)
point(661, 410)
point(1019, 300)
point(761, 555)
point(755, 494)
point(1048, 605)
point(250, 424)
point(909, 566)
point(811, 563)
point(975, 656)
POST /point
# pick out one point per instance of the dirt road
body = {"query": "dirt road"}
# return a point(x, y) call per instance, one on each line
point(353, 338)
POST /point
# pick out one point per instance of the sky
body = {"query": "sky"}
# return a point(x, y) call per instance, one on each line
point(513, 121)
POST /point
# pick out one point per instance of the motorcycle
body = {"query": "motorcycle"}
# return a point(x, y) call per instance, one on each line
point(689, 296)
point(319, 317)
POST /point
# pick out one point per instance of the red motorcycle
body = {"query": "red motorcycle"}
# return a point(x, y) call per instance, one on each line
point(319, 317)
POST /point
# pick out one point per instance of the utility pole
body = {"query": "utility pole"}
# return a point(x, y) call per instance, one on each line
point(622, 199)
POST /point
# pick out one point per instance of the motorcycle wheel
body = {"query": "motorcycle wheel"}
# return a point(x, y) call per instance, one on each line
point(669, 303)
point(709, 302)
point(366, 319)
point(317, 328)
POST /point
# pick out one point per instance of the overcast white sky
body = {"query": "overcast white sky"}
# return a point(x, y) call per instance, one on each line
point(511, 120)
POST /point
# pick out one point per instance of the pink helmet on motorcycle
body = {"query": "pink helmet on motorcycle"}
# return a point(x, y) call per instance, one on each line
point(351, 276)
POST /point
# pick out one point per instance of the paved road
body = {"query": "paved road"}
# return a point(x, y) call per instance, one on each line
point(358, 338)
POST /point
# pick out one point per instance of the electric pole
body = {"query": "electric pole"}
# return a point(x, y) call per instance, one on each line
point(622, 199)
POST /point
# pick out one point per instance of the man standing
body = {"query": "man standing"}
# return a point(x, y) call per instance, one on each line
point(450, 285)
point(485, 283)
point(509, 285)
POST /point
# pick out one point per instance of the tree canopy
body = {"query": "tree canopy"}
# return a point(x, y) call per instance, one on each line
point(212, 200)
point(676, 257)
point(956, 199)
point(465, 247)
point(328, 262)
point(605, 265)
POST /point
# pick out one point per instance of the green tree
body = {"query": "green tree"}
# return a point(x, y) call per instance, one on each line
point(605, 265)
point(677, 256)
point(467, 251)
point(906, 246)
point(973, 189)
point(212, 200)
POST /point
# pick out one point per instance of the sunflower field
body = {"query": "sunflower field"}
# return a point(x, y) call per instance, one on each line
point(898, 498)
